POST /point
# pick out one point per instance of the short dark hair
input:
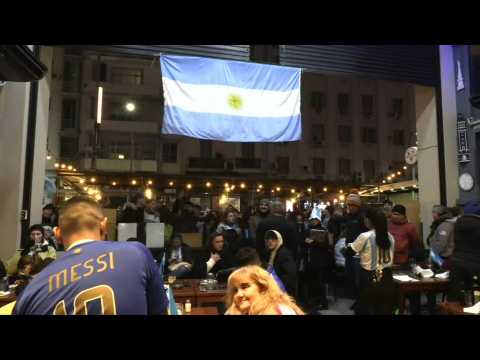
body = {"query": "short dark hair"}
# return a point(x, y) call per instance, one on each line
point(247, 256)
point(49, 207)
point(135, 197)
point(37, 227)
point(24, 261)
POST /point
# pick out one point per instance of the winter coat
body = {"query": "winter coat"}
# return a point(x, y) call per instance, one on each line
point(200, 263)
point(442, 241)
point(280, 224)
point(407, 243)
point(283, 263)
point(232, 235)
point(318, 256)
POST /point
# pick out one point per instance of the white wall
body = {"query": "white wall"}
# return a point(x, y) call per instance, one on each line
point(14, 99)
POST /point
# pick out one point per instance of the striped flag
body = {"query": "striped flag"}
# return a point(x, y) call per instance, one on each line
point(230, 100)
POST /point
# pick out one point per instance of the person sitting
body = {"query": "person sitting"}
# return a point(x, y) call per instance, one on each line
point(179, 258)
point(245, 256)
point(24, 268)
point(252, 291)
point(37, 244)
point(215, 257)
point(281, 262)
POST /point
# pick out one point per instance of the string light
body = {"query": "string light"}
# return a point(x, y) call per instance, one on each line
point(226, 185)
point(170, 183)
point(208, 184)
point(404, 168)
point(189, 186)
point(260, 186)
point(399, 173)
point(63, 166)
point(121, 156)
point(93, 180)
point(325, 189)
point(292, 191)
point(82, 181)
point(341, 191)
point(309, 190)
point(384, 181)
point(56, 165)
point(134, 182)
point(150, 182)
point(278, 189)
point(232, 187)
point(342, 197)
point(114, 183)
point(49, 157)
point(242, 185)
point(70, 167)
point(389, 178)
point(148, 194)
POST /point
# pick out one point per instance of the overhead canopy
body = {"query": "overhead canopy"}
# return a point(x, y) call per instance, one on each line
point(416, 64)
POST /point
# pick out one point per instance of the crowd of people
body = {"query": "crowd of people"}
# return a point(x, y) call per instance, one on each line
point(274, 262)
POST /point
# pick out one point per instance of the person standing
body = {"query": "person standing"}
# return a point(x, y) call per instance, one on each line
point(94, 277)
point(354, 226)
point(276, 221)
point(261, 214)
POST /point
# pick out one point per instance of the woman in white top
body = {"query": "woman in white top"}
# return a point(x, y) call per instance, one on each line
point(375, 247)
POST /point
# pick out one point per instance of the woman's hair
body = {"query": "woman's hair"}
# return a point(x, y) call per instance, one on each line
point(24, 261)
point(378, 220)
point(271, 296)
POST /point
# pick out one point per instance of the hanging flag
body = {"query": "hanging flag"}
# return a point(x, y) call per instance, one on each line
point(230, 100)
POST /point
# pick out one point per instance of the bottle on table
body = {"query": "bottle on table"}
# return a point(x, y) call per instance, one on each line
point(188, 307)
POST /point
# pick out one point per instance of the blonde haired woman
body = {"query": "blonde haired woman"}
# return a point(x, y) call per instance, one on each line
point(253, 291)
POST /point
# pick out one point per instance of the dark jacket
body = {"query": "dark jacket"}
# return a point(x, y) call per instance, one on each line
point(132, 214)
point(465, 260)
point(318, 256)
point(280, 224)
point(354, 226)
point(200, 265)
point(187, 255)
point(286, 269)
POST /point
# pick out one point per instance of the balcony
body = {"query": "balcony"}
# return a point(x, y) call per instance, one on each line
point(116, 165)
point(244, 165)
point(206, 164)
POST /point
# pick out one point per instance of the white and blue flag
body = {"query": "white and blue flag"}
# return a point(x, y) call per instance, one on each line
point(230, 100)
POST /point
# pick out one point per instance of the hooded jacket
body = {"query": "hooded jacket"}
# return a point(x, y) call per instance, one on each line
point(282, 261)
point(442, 240)
point(407, 243)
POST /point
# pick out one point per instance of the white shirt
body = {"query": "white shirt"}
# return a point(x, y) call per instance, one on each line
point(369, 252)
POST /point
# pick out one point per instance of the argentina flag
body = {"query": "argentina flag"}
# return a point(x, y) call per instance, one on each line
point(230, 100)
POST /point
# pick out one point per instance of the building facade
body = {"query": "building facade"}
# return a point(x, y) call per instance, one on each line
point(355, 130)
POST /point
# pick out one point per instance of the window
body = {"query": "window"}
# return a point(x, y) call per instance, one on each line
point(318, 134)
point(369, 169)
point(343, 104)
point(248, 150)
point(399, 137)
point(69, 114)
point(68, 147)
point(127, 76)
point(396, 111)
point(169, 153)
point(369, 135)
point(146, 149)
point(367, 106)
point(317, 101)
point(318, 166)
point(119, 112)
point(345, 134)
point(206, 149)
point(71, 75)
point(283, 164)
point(344, 167)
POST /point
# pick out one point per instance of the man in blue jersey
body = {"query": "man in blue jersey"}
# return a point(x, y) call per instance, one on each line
point(94, 277)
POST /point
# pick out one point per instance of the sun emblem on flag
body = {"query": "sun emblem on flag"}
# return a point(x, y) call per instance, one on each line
point(235, 101)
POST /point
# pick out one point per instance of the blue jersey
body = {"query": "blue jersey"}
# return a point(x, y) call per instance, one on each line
point(97, 277)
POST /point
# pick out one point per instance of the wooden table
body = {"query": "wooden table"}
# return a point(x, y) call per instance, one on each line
point(205, 310)
point(185, 293)
point(447, 308)
point(4, 300)
point(191, 291)
point(432, 285)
